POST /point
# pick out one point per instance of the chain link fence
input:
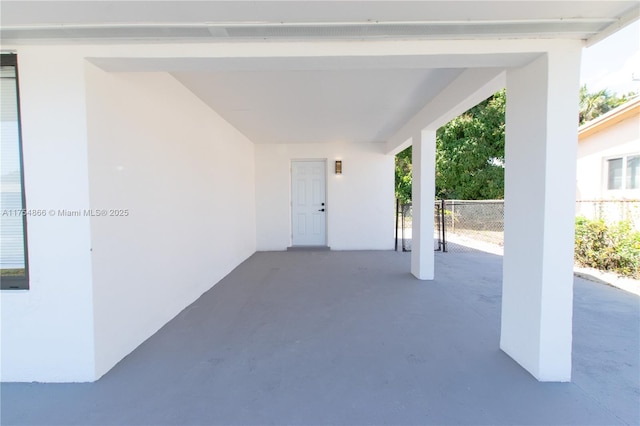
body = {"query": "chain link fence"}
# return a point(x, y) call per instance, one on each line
point(611, 211)
point(474, 224)
point(464, 225)
point(460, 225)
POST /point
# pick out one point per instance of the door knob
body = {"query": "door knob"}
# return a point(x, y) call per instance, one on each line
point(321, 210)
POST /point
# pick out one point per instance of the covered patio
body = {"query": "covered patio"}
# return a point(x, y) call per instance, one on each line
point(164, 144)
point(326, 337)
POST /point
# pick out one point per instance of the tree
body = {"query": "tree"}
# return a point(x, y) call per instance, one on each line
point(403, 176)
point(470, 153)
point(593, 105)
point(470, 148)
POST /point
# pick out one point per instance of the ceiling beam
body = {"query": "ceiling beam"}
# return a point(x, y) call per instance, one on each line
point(626, 19)
point(469, 89)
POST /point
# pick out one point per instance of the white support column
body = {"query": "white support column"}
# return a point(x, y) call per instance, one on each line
point(423, 196)
point(540, 158)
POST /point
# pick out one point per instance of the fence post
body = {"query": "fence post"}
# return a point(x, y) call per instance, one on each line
point(444, 226)
point(452, 203)
point(397, 212)
point(403, 207)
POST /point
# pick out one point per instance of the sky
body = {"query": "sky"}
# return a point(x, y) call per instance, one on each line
point(610, 63)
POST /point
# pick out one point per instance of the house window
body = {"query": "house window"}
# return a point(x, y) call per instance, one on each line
point(13, 248)
point(623, 172)
point(633, 172)
point(615, 173)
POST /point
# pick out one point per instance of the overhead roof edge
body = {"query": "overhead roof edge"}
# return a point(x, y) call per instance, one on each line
point(626, 19)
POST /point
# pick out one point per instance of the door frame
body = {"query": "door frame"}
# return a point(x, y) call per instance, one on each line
point(326, 199)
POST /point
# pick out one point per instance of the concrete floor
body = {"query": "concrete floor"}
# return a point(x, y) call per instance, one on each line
point(352, 338)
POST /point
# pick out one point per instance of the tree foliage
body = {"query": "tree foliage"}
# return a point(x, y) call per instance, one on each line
point(594, 104)
point(470, 148)
point(403, 176)
point(470, 153)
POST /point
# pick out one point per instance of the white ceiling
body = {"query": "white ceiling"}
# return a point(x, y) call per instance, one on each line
point(24, 12)
point(213, 20)
point(311, 99)
point(318, 106)
point(317, 99)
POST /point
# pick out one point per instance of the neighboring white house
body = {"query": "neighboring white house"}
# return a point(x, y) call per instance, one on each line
point(609, 155)
point(163, 143)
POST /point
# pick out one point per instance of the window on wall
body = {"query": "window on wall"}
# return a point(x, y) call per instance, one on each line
point(633, 172)
point(14, 273)
point(615, 173)
point(623, 172)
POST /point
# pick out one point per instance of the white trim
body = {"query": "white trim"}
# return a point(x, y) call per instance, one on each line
point(626, 19)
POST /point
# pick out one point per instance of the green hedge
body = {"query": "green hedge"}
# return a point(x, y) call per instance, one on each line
point(613, 248)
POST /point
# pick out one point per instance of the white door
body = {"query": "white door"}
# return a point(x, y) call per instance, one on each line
point(308, 209)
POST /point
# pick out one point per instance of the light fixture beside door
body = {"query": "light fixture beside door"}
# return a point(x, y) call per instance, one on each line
point(338, 167)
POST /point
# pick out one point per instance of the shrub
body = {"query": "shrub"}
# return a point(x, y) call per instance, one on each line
point(608, 247)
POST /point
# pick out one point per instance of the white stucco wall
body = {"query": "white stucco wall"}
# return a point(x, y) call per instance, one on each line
point(619, 139)
point(187, 179)
point(47, 331)
point(142, 142)
point(360, 202)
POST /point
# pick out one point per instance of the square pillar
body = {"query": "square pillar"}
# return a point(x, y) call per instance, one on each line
point(540, 160)
point(422, 197)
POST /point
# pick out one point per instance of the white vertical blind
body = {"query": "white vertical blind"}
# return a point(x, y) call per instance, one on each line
point(11, 222)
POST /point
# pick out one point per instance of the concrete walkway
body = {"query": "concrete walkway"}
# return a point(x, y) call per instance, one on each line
point(351, 338)
point(460, 243)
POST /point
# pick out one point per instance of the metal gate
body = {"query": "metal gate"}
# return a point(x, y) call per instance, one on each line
point(404, 226)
